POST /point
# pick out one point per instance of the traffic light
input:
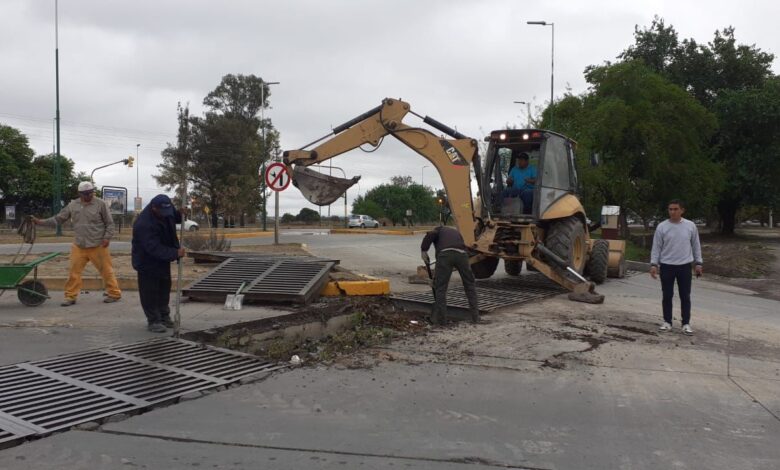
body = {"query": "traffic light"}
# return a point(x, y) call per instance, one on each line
point(129, 162)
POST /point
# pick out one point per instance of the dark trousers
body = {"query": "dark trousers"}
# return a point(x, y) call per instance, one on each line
point(525, 195)
point(155, 292)
point(682, 274)
point(445, 262)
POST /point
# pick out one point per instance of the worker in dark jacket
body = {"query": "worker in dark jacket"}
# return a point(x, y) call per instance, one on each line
point(450, 253)
point(155, 246)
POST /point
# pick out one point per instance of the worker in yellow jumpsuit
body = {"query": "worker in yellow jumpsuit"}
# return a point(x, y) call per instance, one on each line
point(93, 228)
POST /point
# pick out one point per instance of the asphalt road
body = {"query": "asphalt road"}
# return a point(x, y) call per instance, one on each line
point(547, 385)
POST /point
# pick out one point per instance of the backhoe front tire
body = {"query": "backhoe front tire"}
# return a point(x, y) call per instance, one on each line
point(513, 268)
point(566, 238)
point(598, 262)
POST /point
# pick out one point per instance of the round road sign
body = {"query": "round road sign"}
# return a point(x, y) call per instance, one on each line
point(276, 176)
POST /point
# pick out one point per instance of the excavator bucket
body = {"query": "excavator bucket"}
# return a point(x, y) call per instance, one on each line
point(318, 188)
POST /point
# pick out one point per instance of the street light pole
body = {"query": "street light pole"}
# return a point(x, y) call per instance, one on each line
point(137, 166)
point(552, 64)
point(57, 200)
point(422, 175)
point(265, 152)
point(528, 110)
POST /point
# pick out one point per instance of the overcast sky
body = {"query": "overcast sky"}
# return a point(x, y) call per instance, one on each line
point(125, 65)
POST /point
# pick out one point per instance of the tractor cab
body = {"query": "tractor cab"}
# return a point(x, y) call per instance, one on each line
point(526, 172)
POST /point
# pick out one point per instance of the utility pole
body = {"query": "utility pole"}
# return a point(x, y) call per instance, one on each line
point(57, 197)
point(265, 152)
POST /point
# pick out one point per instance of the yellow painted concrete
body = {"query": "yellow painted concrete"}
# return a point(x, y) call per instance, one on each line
point(231, 236)
point(356, 288)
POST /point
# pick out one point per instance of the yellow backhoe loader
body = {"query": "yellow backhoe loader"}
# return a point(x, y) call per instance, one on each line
point(547, 229)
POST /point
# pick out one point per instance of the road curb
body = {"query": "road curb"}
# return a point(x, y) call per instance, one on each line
point(356, 231)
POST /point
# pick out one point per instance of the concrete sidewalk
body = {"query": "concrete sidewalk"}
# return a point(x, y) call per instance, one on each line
point(32, 333)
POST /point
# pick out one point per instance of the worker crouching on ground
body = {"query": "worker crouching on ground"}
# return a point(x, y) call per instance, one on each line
point(93, 229)
point(450, 253)
point(155, 246)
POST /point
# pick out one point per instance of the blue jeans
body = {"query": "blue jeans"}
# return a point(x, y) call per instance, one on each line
point(682, 274)
point(526, 195)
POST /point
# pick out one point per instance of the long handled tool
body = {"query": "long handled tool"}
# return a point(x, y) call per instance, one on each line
point(177, 314)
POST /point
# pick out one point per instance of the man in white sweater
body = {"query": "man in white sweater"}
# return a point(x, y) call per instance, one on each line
point(675, 247)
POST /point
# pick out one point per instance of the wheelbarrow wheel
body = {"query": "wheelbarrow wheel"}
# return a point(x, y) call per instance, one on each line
point(28, 298)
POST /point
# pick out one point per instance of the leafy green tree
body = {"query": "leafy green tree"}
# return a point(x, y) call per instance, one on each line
point(402, 181)
point(288, 218)
point(224, 148)
point(713, 72)
point(308, 216)
point(15, 161)
point(365, 206)
point(749, 149)
point(650, 137)
point(175, 169)
point(424, 206)
point(37, 195)
point(393, 200)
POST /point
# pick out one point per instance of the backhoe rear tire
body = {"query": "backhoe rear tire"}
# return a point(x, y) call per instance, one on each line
point(513, 268)
point(598, 262)
point(566, 238)
point(485, 268)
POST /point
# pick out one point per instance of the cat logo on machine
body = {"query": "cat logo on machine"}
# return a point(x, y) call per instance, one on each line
point(453, 154)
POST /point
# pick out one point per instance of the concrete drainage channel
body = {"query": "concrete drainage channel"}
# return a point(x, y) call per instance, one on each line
point(42, 397)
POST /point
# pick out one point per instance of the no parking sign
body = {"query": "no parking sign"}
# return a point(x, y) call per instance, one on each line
point(276, 176)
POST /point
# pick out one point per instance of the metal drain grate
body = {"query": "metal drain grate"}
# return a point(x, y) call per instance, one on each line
point(493, 294)
point(37, 398)
point(276, 280)
point(220, 256)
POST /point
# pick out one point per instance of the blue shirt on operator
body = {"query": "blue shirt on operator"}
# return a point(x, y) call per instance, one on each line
point(519, 175)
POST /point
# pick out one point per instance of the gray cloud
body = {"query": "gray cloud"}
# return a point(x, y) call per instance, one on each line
point(125, 65)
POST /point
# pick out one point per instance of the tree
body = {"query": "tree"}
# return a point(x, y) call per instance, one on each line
point(37, 194)
point(749, 148)
point(423, 203)
point(288, 218)
point(15, 161)
point(223, 149)
point(175, 169)
point(393, 201)
point(650, 136)
point(364, 206)
point(308, 216)
point(402, 181)
point(711, 73)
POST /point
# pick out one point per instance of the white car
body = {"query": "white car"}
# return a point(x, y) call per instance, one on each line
point(362, 221)
point(189, 226)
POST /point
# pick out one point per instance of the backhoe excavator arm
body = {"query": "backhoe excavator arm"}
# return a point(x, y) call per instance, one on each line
point(452, 158)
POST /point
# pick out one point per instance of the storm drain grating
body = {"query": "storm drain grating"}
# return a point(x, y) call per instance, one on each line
point(220, 256)
point(493, 294)
point(37, 398)
point(276, 280)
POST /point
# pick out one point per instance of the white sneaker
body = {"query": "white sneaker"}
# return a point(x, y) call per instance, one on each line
point(687, 330)
point(665, 326)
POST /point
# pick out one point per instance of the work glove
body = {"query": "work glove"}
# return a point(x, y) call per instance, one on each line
point(426, 259)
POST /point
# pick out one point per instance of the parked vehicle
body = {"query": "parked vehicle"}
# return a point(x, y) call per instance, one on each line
point(362, 221)
point(189, 226)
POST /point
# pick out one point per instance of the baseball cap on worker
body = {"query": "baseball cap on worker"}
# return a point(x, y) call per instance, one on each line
point(163, 204)
point(86, 187)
